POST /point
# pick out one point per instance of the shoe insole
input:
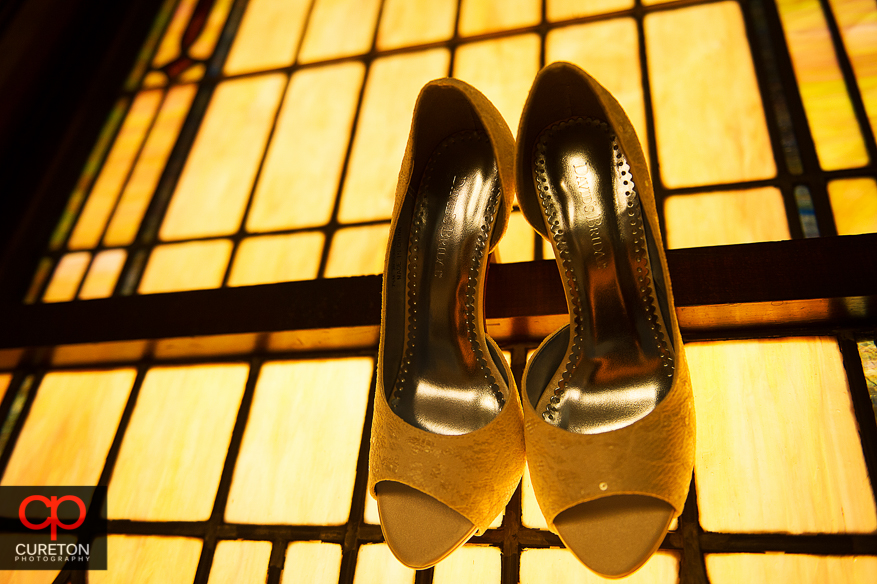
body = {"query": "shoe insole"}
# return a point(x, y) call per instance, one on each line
point(448, 382)
point(618, 362)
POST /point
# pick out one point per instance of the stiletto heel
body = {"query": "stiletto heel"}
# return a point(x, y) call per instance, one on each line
point(608, 409)
point(447, 445)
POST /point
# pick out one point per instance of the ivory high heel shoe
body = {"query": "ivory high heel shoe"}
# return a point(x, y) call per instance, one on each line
point(447, 447)
point(608, 409)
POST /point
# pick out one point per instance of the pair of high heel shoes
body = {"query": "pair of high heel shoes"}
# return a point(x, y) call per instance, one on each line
point(607, 422)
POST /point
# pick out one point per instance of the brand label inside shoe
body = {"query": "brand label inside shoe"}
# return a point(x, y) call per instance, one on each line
point(592, 212)
point(447, 229)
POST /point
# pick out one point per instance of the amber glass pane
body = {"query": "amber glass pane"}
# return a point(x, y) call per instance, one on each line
point(858, 26)
point(103, 274)
point(114, 173)
point(375, 564)
point(609, 51)
point(382, 131)
point(268, 36)
point(109, 352)
point(470, 565)
point(338, 28)
point(216, 181)
point(150, 164)
point(137, 559)
point(777, 444)
point(277, 258)
point(854, 205)
point(300, 177)
point(405, 23)
point(358, 251)
point(518, 242)
point(705, 96)
point(820, 82)
point(564, 9)
point(25, 576)
point(68, 274)
point(240, 562)
point(531, 514)
point(180, 347)
point(868, 355)
point(770, 568)
point(311, 562)
point(480, 16)
point(196, 265)
point(203, 47)
point(171, 459)
point(69, 429)
point(503, 70)
point(169, 49)
point(5, 378)
point(298, 457)
point(154, 79)
point(725, 218)
point(559, 566)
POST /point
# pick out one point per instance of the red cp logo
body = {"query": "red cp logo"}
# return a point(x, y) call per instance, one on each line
point(53, 520)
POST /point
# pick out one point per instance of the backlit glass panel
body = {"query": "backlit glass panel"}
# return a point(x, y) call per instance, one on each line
point(561, 567)
point(857, 20)
point(868, 355)
point(358, 251)
point(170, 461)
point(518, 242)
point(136, 559)
point(777, 442)
point(311, 562)
point(382, 131)
point(69, 428)
point(482, 16)
point(375, 564)
point(298, 457)
point(195, 265)
point(405, 23)
point(203, 46)
point(708, 114)
point(269, 35)
point(769, 568)
point(302, 169)
point(854, 205)
point(169, 49)
point(565, 9)
point(338, 28)
point(215, 184)
point(820, 82)
point(5, 379)
point(725, 218)
point(103, 274)
point(240, 562)
point(67, 276)
point(277, 258)
point(470, 565)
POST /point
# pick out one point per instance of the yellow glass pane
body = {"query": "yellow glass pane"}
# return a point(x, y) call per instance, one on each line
point(215, 184)
point(531, 514)
point(203, 47)
point(358, 251)
point(176, 442)
point(68, 273)
point(609, 51)
point(110, 352)
point(196, 265)
point(375, 564)
point(559, 566)
point(27, 576)
point(833, 123)
point(709, 119)
point(268, 35)
point(854, 205)
point(370, 513)
point(289, 447)
point(778, 567)
point(503, 70)
point(70, 428)
point(470, 565)
point(240, 562)
point(725, 218)
point(564, 9)
point(277, 258)
point(138, 192)
point(103, 274)
point(518, 242)
point(5, 379)
point(207, 346)
point(193, 74)
point(777, 443)
point(137, 559)
point(481, 16)
point(169, 49)
point(858, 26)
point(312, 562)
point(338, 28)
point(154, 79)
point(405, 23)
point(382, 131)
point(299, 180)
point(114, 173)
